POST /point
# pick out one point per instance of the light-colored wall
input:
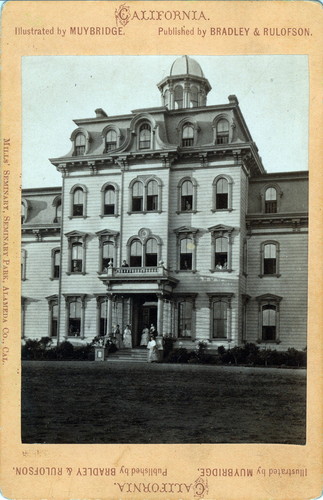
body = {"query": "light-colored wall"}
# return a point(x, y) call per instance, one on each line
point(291, 286)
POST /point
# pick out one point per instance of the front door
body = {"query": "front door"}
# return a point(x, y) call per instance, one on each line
point(149, 316)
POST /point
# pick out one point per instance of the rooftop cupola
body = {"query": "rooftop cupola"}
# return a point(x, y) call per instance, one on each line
point(186, 85)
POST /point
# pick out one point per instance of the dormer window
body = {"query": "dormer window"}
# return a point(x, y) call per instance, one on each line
point(79, 144)
point(271, 201)
point(111, 140)
point(145, 136)
point(222, 131)
point(187, 135)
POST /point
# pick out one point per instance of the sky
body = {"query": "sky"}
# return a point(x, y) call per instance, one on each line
point(272, 93)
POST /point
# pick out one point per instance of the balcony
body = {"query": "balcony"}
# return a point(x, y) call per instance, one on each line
point(150, 274)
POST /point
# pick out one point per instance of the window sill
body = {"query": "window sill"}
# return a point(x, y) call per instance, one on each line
point(54, 279)
point(144, 212)
point(69, 273)
point(221, 270)
point(186, 211)
point(269, 275)
point(109, 215)
point(269, 341)
point(213, 210)
point(193, 271)
point(77, 216)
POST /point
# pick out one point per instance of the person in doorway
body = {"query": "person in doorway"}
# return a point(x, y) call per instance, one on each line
point(144, 337)
point(127, 338)
point(117, 335)
point(152, 330)
point(125, 264)
point(152, 350)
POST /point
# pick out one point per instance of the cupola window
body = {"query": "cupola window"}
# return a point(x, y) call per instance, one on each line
point(194, 97)
point(178, 97)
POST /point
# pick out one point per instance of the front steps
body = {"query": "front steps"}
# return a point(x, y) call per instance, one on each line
point(129, 355)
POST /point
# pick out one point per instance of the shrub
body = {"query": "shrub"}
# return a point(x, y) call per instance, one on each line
point(168, 344)
point(65, 350)
point(179, 355)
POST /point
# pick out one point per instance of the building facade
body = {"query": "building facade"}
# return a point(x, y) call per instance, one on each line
point(167, 216)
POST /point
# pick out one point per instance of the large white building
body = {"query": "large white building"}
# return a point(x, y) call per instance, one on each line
point(216, 248)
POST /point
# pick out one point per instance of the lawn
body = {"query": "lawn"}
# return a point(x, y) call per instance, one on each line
point(91, 402)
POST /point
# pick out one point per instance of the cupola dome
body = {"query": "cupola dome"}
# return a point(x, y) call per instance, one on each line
point(186, 65)
point(186, 85)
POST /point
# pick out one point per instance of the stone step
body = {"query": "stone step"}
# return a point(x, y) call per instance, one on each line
point(130, 355)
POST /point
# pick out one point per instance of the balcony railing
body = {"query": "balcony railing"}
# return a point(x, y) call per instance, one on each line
point(122, 272)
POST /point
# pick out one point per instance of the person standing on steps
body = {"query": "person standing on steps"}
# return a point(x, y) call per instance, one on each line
point(152, 350)
point(127, 338)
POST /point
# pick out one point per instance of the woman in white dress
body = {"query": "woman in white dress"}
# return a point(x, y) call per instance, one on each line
point(144, 337)
point(152, 350)
point(127, 338)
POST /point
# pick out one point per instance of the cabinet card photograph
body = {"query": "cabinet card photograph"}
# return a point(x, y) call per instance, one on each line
point(161, 321)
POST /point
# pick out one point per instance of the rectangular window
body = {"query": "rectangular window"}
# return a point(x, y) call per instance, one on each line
point(54, 315)
point(271, 207)
point(220, 319)
point(268, 322)
point(186, 254)
point(270, 259)
point(74, 319)
point(185, 310)
point(103, 319)
point(56, 264)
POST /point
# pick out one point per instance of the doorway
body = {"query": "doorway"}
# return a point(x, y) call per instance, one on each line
point(144, 314)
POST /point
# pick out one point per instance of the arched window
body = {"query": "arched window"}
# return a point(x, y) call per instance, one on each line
point(270, 200)
point(152, 196)
point(221, 253)
point(107, 254)
point(220, 319)
point(136, 254)
point(186, 196)
point(111, 140)
point(269, 259)
point(137, 197)
point(151, 252)
point(78, 202)
point(74, 317)
point(221, 194)
point(185, 259)
point(79, 144)
point(194, 97)
point(145, 136)
point(269, 321)
point(178, 97)
point(109, 200)
point(77, 257)
point(222, 131)
point(187, 135)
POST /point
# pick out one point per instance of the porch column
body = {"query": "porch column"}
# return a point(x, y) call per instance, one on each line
point(109, 314)
point(160, 310)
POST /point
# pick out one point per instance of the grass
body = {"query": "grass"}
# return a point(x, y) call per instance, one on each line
point(90, 402)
